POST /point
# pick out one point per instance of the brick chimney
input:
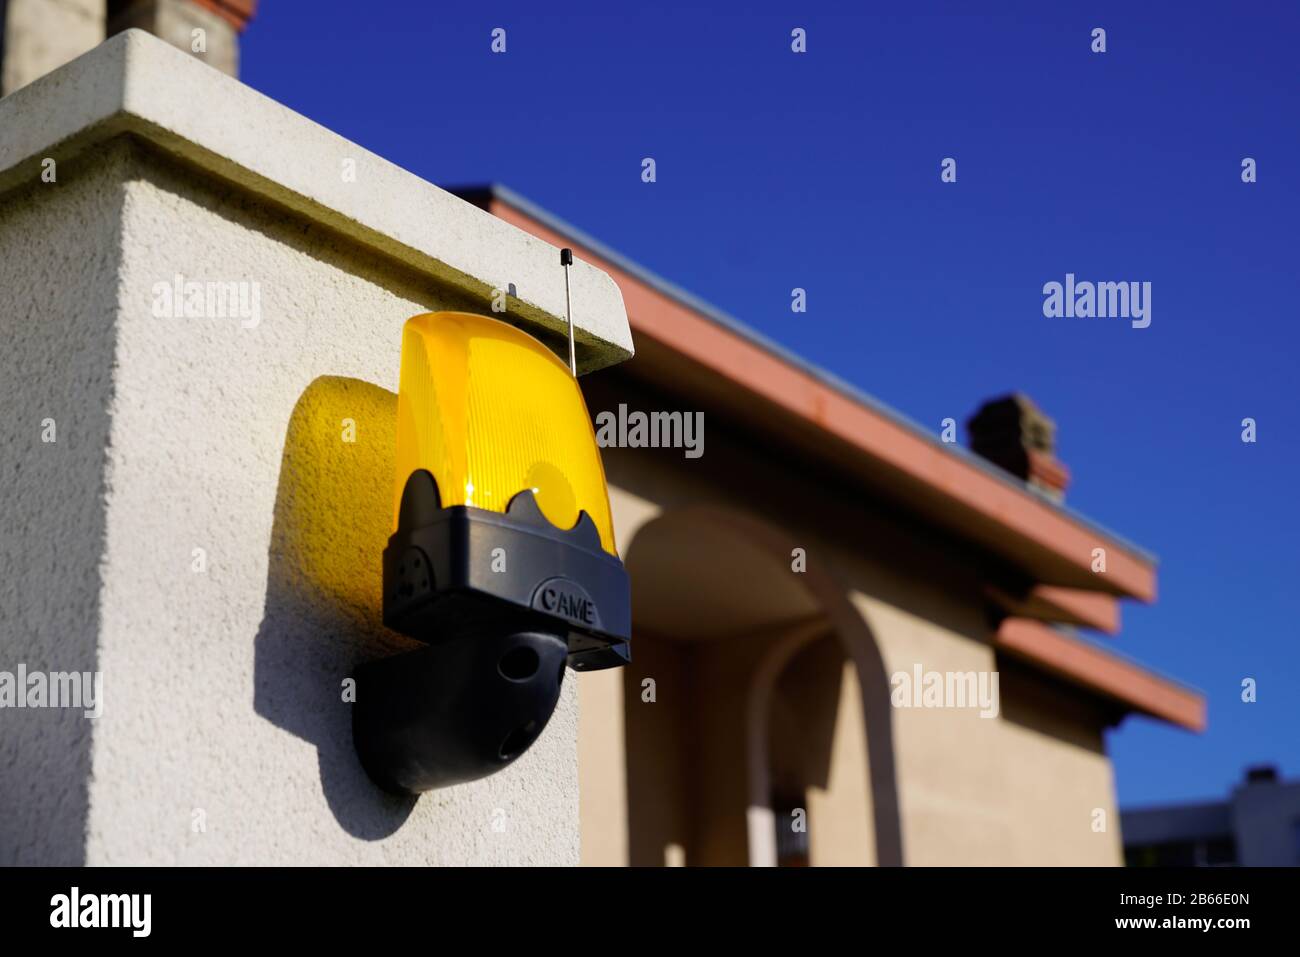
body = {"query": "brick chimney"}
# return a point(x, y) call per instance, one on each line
point(207, 29)
point(1013, 433)
point(37, 36)
point(1261, 774)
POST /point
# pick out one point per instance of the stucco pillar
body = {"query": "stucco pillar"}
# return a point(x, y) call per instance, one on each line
point(194, 500)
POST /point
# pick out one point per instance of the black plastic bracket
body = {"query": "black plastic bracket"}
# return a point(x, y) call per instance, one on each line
point(502, 602)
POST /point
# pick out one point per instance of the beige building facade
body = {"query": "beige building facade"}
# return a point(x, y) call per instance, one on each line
point(783, 580)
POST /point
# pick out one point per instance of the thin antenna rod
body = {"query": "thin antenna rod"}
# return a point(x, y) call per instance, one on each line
point(566, 260)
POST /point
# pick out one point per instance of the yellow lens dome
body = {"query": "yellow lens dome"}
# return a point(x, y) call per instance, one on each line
point(489, 412)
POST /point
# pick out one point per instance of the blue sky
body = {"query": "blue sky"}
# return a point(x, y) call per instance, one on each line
point(821, 170)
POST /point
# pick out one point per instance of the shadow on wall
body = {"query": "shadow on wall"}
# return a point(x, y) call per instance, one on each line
point(323, 615)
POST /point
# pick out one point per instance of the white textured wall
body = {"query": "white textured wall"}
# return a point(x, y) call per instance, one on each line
point(221, 687)
point(58, 266)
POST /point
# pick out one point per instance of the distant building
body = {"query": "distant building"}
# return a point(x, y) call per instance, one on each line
point(1257, 826)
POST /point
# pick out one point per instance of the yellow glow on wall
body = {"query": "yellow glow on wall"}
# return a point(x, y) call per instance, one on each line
point(489, 411)
point(327, 531)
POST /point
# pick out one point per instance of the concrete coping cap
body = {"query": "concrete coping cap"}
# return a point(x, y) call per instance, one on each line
point(136, 84)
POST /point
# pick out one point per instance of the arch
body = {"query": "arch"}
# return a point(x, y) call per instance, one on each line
point(833, 613)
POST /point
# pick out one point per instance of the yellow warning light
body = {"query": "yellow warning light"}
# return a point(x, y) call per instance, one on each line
point(489, 412)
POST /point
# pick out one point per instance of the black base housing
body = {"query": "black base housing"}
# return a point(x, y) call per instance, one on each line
point(503, 602)
point(452, 712)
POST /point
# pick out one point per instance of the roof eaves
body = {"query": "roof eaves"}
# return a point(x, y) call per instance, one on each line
point(507, 195)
